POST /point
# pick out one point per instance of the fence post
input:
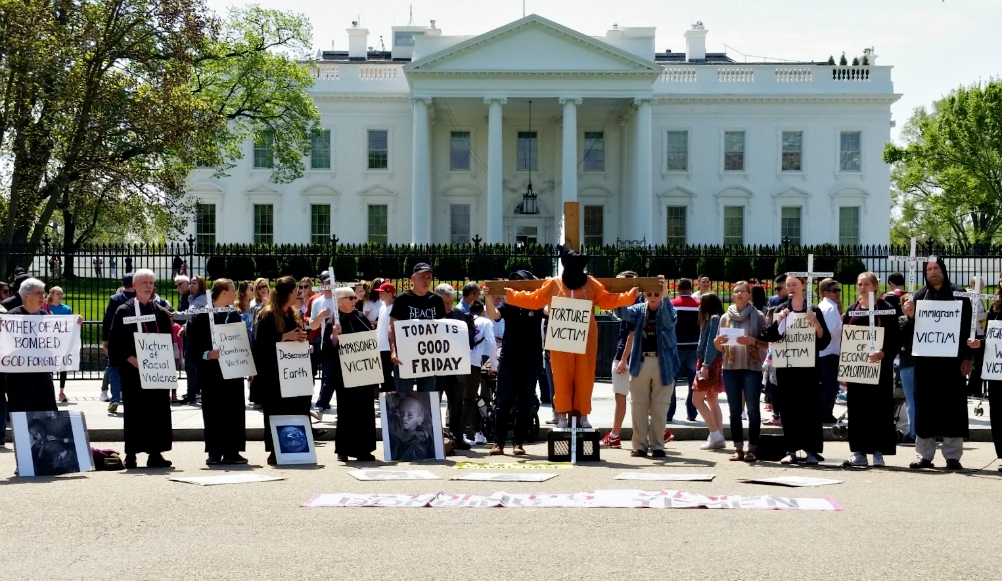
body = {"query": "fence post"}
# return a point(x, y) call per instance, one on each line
point(45, 254)
point(191, 254)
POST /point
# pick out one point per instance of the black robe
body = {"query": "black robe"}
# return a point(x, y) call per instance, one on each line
point(222, 399)
point(29, 392)
point(798, 389)
point(871, 407)
point(267, 386)
point(147, 411)
point(940, 389)
point(995, 397)
point(356, 416)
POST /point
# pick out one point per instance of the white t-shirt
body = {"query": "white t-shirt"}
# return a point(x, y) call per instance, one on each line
point(319, 305)
point(487, 346)
point(383, 327)
point(371, 310)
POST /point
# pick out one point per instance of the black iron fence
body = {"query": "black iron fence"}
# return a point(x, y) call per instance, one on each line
point(91, 273)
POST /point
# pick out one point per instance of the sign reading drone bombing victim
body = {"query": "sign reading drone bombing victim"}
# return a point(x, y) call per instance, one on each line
point(993, 352)
point(567, 330)
point(432, 348)
point(854, 357)
point(235, 359)
point(361, 363)
point(937, 328)
point(31, 344)
point(295, 375)
point(798, 345)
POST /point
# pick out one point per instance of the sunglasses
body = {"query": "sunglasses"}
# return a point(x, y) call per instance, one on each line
point(653, 294)
point(305, 286)
point(262, 287)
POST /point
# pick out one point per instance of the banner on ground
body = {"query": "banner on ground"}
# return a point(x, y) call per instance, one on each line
point(361, 363)
point(295, 374)
point(432, 348)
point(155, 355)
point(993, 351)
point(853, 358)
point(937, 328)
point(797, 348)
point(567, 329)
point(235, 359)
point(33, 344)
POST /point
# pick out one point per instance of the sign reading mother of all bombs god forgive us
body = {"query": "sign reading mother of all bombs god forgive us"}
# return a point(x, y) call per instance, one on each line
point(431, 348)
point(937, 328)
point(32, 344)
point(798, 345)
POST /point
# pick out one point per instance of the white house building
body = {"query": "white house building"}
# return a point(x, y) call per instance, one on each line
point(437, 140)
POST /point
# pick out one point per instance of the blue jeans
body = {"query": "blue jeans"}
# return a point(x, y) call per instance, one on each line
point(326, 386)
point(737, 383)
point(408, 385)
point(115, 381)
point(3, 415)
point(829, 386)
point(908, 384)
point(687, 364)
point(191, 373)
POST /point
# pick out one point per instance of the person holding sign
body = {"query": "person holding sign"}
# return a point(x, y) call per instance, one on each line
point(278, 321)
point(28, 391)
point(356, 416)
point(944, 353)
point(798, 333)
point(147, 417)
point(222, 399)
point(417, 303)
point(992, 356)
point(871, 403)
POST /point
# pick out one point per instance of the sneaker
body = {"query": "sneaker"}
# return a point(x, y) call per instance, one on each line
point(610, 441)
point(768, 407)
point(584, 423)
point(112, 408)
point(811, 460)
point(789, 459)
point(461, 444)
point(468, 441)
point(561, 423)
point(318, 414)
point(105, 396)
point(479, 438)
point(1000, 467)
point(173, 398)
point(878, 460)
point(841, 398)
point(668, 435)
point(717, 441)
point(859, 459)
point(953, 465)
point(63, 399)
point(744, 416)
point(553, 420)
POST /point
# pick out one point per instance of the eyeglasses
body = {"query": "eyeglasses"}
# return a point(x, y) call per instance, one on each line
point(304, 286)
point(262, 287)
point(653, 294)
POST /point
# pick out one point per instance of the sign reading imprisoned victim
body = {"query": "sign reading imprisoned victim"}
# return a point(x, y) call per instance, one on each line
point(155, 355)
point(360, 360)
point(33, 344)
point(235, 359)
point(798, 345)
point(567, 329)
point(937, 328)
point(431, 348)
point(295, 374)
point(854, 357)
point(993, 352)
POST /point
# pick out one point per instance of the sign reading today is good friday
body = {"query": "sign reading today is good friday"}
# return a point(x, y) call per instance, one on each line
point(432, 348)
point(853, 358)
point(360, 359)
point(33, 344)
point(798, 345)
point(155, 354)
point(235, 359)
point(295, 375)
point(567, 329)
point(993, 352)
point(937, 328)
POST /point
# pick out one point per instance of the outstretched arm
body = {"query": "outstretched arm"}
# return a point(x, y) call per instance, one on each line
point(532, 300)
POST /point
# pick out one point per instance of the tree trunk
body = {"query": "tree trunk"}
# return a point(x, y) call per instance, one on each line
point(70, 246)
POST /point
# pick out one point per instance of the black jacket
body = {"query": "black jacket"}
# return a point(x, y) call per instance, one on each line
point(118, 299)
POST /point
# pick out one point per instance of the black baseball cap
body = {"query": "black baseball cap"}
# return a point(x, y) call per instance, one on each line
point(521, 275)
point(127, 279)
point(421, 267)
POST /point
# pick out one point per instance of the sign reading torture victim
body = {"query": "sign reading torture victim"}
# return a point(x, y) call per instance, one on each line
point(797, 348)
point(360, 359)
point(937, 328)
point(432, 348)
point(567, 330)
point(993, 352)
point(854, 357)
point(33, 344)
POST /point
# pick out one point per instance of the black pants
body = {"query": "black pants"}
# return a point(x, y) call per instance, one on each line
point(452, 387)
point(995, 413)
point(516, 385)
point(388, 383)
point(829, 385)
point(974, 385)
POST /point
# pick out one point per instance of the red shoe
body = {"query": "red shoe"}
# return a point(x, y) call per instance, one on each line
point(668, 435)
point(610, 441)
point(768, 407)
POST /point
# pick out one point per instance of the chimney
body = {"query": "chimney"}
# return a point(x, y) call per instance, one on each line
point(695, 43)
point(870, 56)
point(358, 40)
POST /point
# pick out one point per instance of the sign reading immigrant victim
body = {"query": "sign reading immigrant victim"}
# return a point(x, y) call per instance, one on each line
point(567, 330)
point(937, 328)
point(431, 348)
point(993, 352)
point(360, 359)
point(33, 344)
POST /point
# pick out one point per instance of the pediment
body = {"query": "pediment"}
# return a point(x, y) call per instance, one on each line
point(677, 192)
point(376, 191)
point(795, 193)
point(318, 190)
point(263, 190)
point(533, 45)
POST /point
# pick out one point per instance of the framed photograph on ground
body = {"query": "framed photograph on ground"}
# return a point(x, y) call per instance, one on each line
point(50, 443)
point(293, 439)
point(412, 426)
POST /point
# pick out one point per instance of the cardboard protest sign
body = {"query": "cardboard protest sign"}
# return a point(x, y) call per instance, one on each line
point(361, 363)
point(155, 354)
point(853, 358)
point(798, 346)
point(235, 359)
point(993, 352)
point(295, 374)
point(732, 335)
point(33, 344)
point(567, 329)
point(937, 328)
point(432, 348)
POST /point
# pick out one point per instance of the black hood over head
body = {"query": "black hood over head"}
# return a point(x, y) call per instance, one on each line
point(574, 263)
point(945, 292)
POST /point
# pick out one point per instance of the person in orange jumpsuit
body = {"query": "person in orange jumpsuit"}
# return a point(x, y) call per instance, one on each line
point(573, 374)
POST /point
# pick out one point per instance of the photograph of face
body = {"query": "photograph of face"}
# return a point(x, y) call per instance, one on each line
point(410, 427)
point(53, 449)
point(292, 440)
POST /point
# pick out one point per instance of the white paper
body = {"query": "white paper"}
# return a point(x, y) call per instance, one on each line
point(155, 355)
point(232, 478)
point(663, 476)
point(392, 475)
point(361, 362)
point(797, 348)
point(295, 374)
point(411, 426)
point(33, 344)
point(937, 328)
point(63, 437)
point(795, 481)
point(505, 476)
point(853, 358)
point(432, 348)
point(732, 335)
point(235, 358)
point(567, 328)
point(993, 352)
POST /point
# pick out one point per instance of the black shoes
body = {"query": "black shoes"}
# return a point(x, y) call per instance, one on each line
point(638, 453)
point(130, 461)
point(183, 401)
point(233, 459)
point(953, 465)
point(923, 463)
point(461, 444)
point(366, 458)
point(658, 454)
point(342, 457)
point(158, 461)
point(213, 461)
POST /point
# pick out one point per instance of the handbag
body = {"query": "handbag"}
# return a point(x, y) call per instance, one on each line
point(713, 378)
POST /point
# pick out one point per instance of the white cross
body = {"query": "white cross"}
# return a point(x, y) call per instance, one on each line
point(211, 311)
point(870, 312)
point(912, 261)
point(975, 295)
point(810, 275)
point(574, 429)
point(140, 318)
point(329, 285)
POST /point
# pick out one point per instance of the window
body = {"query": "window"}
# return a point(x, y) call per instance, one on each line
point(793, 150)
point(264, 155)
point(320, 223)
point(734, 151)
point(264, 224)
point(527, 151)
point(789, 226)
point(594, 151)
point(848, 226)
point(406, 37)
point(677, 151)
point(205, 226)
point(320, 150)
point(378, 224)
point(379, 149)
point(734, 225)
point(526, 235)
point(594, 225)
point(676, 225)
point(459, 151)
point(459, 223)
point(849, 151)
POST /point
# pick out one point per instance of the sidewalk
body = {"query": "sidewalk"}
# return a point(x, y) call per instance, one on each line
point(84, 396)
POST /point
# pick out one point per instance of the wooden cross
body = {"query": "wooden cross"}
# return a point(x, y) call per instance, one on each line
point(912, 261)
point(870, 312)
point(810, 275)
point(972, 296)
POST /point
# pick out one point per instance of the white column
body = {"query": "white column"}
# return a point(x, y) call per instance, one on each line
point(569, 157)
point(421, 188)
point(643, 198)
point(495, 171)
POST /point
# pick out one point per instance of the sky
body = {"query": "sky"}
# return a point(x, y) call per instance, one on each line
point(935, 46)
